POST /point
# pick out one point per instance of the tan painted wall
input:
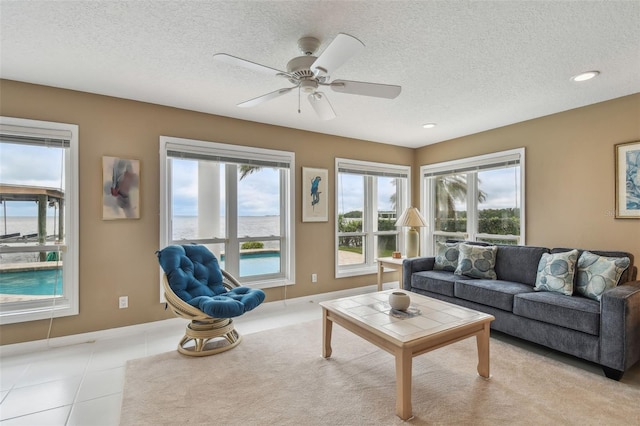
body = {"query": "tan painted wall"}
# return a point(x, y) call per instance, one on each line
point(117, 257)
point(569, 177)
point(570, 194)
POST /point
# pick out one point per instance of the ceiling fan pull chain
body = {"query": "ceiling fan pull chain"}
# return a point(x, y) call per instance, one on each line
point(298, 99)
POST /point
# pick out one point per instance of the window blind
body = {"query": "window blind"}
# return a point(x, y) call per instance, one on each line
point(35, 136)
point(223, 153)
point(224, 159)
point(473, 166)
point(369, 169)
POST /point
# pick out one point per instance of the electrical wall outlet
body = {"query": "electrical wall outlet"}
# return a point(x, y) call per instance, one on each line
point(123, 302)
point(314, 278)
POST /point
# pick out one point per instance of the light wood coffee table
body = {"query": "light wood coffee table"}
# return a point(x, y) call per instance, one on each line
point(438, 324)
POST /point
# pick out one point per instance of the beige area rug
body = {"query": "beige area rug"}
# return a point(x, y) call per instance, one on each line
point(278, 377)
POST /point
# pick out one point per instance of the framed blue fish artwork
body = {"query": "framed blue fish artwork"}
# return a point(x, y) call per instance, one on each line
point(628, 180)
point(315, 195)
point(120, 188)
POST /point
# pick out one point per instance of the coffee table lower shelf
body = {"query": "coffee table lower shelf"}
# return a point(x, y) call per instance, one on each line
point(348, 313)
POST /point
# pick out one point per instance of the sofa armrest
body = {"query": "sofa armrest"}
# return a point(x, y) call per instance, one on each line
point(620, 326)
point(415, 264)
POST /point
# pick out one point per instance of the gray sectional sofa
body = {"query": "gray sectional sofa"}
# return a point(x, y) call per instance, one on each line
point(604, 331)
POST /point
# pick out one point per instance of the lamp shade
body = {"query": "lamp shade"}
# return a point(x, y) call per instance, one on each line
point(411, 217)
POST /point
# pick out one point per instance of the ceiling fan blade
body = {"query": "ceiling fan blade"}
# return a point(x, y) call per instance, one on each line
point(321, 105)
point(223, 57)
point(387, 91)
point(264, 98)
point(337, 53)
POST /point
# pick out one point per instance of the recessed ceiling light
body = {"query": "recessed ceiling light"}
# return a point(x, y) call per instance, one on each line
point(585, 76)
point(429, 125)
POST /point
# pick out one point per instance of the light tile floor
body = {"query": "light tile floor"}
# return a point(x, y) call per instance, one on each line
point(82, 384)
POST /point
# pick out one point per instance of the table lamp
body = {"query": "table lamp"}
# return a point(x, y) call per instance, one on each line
point(413, 219)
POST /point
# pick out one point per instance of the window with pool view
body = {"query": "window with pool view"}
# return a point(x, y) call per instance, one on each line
point(235, 200)
point(475, 199)
point(39, 220)
point(369, 199)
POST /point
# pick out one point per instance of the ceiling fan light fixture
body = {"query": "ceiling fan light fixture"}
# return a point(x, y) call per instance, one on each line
point(308, 86)
point(585, 76)
point(429, 125)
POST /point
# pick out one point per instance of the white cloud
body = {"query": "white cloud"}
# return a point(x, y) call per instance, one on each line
point(500, 186)
point(258, 193)
point(30, 165)
point(351, 193)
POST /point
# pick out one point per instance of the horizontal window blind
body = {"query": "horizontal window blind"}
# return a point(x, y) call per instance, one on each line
point(222, 153)
point(372, 169)
point(222, 159)
point(475, 165)
point(35, 136)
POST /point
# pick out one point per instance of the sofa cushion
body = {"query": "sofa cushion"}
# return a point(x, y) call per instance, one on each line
point(576, 312)
point(440, 282)
point(596, 274)
point(628, 275)
point(496, 293)
point(556, 272)
point(477, 261)
point(446, 256)
point(518, 263)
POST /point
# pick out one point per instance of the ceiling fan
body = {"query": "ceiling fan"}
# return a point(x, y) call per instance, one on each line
point(309, 73)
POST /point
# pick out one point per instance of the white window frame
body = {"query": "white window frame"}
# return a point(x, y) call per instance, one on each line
point(463, 165)
point(403, 200)
point(67, 304)
point(287, 200)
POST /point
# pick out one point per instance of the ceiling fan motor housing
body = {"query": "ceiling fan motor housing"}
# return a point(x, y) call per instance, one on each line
point(300, 67)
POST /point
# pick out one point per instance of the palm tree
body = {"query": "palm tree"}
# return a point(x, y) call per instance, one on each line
point(245, 170)
point(449, 189)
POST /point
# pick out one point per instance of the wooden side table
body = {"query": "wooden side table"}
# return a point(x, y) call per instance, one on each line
point(391, 263)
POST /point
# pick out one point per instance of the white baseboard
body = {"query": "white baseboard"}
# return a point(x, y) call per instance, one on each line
point(75, 339)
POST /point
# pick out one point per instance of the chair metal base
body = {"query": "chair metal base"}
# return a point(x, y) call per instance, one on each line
point(204, 331)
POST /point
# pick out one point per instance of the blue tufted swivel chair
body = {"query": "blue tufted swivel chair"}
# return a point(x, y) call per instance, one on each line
point(197, 289)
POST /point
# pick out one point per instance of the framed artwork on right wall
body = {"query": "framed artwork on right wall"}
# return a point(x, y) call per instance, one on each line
point(628, 180)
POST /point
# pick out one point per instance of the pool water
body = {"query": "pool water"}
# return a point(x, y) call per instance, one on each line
point(40, 283)
point(258, 264)
point(32, 283)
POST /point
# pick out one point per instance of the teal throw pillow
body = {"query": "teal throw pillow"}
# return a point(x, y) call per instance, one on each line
point(446, 256)
point(556, 272)
point(596, 274)
point(477, 261)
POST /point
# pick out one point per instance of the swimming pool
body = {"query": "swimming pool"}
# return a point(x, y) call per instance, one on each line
point(40, 283)
point(252, 264)
point(32, 283)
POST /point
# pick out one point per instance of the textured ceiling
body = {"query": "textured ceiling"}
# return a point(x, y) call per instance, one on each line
point(467, 66)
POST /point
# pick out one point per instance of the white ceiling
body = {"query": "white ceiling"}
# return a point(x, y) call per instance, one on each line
point(468, 66)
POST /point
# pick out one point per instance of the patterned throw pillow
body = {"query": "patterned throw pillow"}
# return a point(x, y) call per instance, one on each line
point(556, 272)
point(599, 273)
point(477, 261)
point(446, 256)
